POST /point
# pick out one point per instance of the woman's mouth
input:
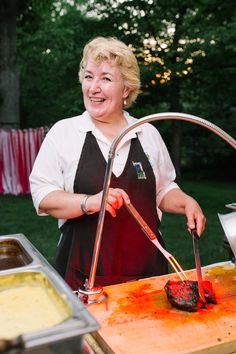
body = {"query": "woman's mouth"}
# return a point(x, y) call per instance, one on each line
point(96, 100)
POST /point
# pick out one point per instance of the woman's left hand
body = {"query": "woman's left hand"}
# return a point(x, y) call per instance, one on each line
point(195, 217)
point(176, 201)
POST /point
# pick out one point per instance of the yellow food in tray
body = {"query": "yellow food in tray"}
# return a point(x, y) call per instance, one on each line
point(29, 303)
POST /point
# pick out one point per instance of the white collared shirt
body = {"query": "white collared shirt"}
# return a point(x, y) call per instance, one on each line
point(57, 160)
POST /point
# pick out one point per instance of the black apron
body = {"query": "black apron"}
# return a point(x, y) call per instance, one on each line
point(125, 253)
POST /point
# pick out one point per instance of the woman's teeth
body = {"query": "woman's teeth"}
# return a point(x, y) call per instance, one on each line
point(97, 99)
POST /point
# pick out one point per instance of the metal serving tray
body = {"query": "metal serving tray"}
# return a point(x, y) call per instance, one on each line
point(13, 255)
point(16, 251)
point(28, 268)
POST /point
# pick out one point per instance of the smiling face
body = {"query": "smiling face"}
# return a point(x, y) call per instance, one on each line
point(103, 91)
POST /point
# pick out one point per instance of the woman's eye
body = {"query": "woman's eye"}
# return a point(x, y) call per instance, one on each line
point(87, 76)
point(106, 78)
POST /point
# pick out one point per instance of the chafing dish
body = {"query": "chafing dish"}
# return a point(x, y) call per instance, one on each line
point(46, 314)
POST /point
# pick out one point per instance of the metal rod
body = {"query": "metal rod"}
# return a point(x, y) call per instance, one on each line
point(97, 244)
point(107, 179)
point(178, 269)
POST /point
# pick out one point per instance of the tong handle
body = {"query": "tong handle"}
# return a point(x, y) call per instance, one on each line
point(146, 229)
point(195, 234)
point(153, 238)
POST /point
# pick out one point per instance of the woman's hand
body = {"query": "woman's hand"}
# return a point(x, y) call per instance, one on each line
point(115, 199)
point(195, 216)
point(65, 205)
point(176, 201)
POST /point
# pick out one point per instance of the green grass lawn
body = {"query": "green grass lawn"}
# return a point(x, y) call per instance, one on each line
point(212, 197)
point(17, 215)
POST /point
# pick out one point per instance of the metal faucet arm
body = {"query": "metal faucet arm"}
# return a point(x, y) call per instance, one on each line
point(150, 118)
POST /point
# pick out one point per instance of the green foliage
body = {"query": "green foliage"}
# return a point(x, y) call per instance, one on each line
point(49, 61)
point(186, 51)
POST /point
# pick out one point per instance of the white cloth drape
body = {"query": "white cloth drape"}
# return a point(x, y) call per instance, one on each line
point(18, 150)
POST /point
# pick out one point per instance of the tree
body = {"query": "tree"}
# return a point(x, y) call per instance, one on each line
point(49, 58)
point(182, 48)
point(9, 81)
point(12, 13)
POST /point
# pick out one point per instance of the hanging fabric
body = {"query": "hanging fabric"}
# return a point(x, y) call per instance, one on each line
point(18, 150)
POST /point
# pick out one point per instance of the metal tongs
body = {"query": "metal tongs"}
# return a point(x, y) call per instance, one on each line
point(153, 238)
point(198, 264)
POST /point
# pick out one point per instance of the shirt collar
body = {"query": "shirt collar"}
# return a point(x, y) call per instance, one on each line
point(86, 124)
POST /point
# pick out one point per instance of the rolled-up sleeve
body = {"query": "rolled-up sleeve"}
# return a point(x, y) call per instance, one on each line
point(47, 174)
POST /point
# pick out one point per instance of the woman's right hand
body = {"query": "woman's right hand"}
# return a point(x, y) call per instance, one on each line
point(115, 200)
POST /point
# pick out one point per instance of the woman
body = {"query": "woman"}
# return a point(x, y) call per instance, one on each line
point(68, 175)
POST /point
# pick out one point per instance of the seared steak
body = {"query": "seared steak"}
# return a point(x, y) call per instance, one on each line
point(184, 294)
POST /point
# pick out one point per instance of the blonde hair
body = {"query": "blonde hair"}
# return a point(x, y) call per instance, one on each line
point(112, 50)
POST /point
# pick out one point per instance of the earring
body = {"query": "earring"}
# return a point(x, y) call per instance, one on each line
point(125, 102)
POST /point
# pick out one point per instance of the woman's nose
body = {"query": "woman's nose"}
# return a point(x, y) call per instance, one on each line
point(95, 86)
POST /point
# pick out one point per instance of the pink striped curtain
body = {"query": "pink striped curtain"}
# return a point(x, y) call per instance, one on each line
point(18, 150)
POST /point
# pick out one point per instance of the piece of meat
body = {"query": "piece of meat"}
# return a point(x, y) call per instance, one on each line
point(184, 294)
point(210, 295)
